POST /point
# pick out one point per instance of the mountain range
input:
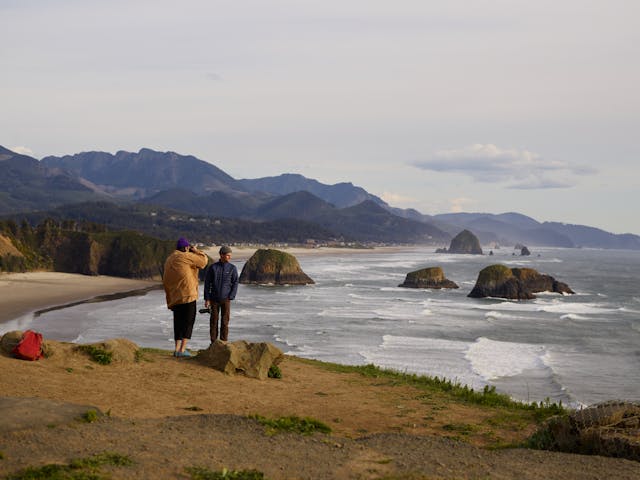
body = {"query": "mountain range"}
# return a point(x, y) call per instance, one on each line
point(134, 186)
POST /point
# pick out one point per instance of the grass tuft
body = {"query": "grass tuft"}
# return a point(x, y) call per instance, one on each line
point(98, 355)
point(305, 426)
point(80, 469)
point(90, 416)
point(274, 372)
point(199, 473)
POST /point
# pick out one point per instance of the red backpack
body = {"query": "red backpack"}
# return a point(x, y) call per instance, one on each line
point(30, 347)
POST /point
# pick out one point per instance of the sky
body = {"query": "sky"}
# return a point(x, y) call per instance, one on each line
point(443, 106)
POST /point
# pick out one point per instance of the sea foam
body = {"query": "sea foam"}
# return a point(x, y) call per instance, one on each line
point(492, 359)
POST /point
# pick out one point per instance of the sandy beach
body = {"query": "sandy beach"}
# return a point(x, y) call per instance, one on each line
point(21, 293)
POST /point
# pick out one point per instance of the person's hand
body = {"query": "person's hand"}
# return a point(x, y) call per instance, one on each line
point(207, 304)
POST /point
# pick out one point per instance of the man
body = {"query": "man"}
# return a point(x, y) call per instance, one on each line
point(180, 280)
point(220, 287)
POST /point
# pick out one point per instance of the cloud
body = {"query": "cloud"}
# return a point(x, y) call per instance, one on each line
point(22, 150)
point(519, 169)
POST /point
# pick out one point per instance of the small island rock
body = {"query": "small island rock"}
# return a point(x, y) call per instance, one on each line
point(524, 252)
point(464, 242)
point(269, 266)
point(516, 284)
point(432, 277)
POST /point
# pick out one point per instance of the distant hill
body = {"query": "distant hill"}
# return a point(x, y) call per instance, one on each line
point(188, 186)
point(214, 204)
point(507, 229)
point(583, 236)
point(26, 184)
point(145, 173)
point(300, 205)
point(341, 194)
point(170, 224)
point(368, 221)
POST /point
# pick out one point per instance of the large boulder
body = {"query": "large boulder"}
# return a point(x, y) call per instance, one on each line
point(609, 429)
point(515, 284)
point(269, 266)
point(251, 359)
point(431, 277)
point(540, 282)
point(464, 242)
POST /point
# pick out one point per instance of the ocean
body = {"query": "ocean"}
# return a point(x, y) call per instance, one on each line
point(579, 349)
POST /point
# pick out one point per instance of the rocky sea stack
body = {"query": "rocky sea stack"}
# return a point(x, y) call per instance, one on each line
point(431, 277)
point(269, 266)
point(464, 242)
point(515, 283)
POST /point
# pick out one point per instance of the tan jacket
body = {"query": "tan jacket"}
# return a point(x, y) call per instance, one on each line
point(180, 278)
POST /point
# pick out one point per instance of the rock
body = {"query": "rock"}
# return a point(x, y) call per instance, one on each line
point(609, 429)
point(10, 340)
point(516, 284)
point(251, 359)
point(432, 277)
point(524, 251)
point(465, 242)
point(499, 281)
point(540, 282)
point(269, 266)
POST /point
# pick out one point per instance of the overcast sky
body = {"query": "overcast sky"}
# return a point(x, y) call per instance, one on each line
point(443, 106)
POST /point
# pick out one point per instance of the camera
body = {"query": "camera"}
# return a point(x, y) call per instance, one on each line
point(205, 310)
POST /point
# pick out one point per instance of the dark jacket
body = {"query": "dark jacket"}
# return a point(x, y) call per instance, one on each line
point(221, 282)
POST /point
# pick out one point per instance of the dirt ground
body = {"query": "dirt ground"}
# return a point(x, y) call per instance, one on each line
point(169, 415)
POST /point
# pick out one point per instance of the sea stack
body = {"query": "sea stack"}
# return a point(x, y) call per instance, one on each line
point(464, 242)
point(273, 267)
point(515, 283)
point(431, 277)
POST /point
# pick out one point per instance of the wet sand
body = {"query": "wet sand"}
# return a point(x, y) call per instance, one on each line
point(21, 293)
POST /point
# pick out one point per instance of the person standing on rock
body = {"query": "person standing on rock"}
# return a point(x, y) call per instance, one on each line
point(220, 287)
point(180, 281)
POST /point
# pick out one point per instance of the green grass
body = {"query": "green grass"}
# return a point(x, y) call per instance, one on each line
point(98, 355)
point(274, 372)
point(485, 397)
point(199, 473)
point(304, 426)
point(90, 416)
point(80, 469)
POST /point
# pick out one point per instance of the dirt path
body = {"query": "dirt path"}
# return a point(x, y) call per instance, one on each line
point(169, 415)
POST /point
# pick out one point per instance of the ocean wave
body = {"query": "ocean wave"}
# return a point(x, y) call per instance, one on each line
point(492, 359)
point(496, 315)
point(573, 316)
point(283, 341)
point(628, 310)
point(577, 308)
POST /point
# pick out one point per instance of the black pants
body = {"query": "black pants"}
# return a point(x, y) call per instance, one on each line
point(220, 310)
point(184, 316)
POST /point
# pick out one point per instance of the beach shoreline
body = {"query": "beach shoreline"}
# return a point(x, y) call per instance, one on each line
point(30, 292)
point(23, 293)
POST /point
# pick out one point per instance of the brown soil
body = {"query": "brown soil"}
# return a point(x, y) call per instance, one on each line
point(170, 414)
